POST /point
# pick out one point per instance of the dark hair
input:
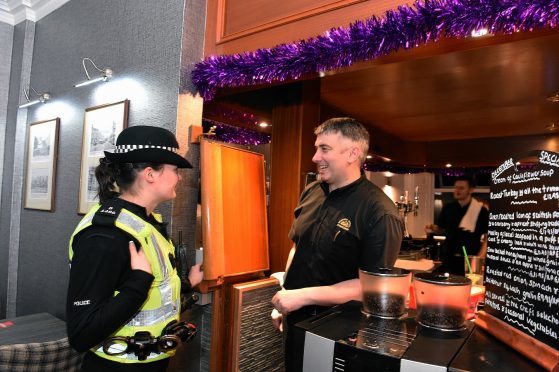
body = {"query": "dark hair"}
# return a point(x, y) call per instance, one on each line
point(469, 179)
point(108, 173)
point(349, 128)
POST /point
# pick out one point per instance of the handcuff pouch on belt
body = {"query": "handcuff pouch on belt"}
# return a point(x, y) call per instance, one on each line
point(143, 343)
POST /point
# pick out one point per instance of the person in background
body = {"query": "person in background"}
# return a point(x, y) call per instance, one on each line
point(464, 222)
point(124, 289)
point(342, 223)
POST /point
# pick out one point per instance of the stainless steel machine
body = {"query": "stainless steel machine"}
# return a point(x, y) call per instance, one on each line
point(346, 339)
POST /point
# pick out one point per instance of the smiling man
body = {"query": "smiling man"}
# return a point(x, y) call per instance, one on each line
point(342, 223)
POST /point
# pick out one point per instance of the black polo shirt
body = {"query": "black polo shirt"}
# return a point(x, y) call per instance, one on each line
point(338, 232)
point(450, 218)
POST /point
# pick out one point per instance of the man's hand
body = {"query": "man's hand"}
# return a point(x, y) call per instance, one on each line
point(433, 229)
point(195, 275)
point(286, 301)
point(277, 320)
point(138, 259)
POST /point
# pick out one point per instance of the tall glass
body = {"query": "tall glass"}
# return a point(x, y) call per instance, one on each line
point(475, 270)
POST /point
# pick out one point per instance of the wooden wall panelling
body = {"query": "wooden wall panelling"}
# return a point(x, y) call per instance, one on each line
point(397, 150)
point(218, 329)
point(381, 143)
point(234, 219)
point(487, 151)
point(310, 117)
point(256, 345)
point(294, 117)
point(468, 153)
point(302, 23)
point(212, 213)
point(222, 336)
point(244, 205)
point(240, 20)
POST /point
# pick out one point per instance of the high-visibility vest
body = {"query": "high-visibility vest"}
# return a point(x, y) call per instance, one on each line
point(163, 302)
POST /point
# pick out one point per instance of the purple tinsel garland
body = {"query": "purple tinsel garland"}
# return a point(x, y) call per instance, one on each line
point(403, 28)
point(231, 134)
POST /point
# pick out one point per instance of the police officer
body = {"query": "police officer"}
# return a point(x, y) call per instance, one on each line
point(123, 303)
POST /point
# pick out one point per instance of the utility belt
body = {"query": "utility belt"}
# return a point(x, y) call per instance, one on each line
point(143, 343)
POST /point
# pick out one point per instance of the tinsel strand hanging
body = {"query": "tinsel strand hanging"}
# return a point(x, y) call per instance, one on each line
point(231, 134)
point(403, 28)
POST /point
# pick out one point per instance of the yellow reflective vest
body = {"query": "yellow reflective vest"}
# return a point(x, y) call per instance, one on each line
point(163, 302)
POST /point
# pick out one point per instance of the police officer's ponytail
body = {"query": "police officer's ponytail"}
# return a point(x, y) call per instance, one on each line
point(104, 173)
point(110, 174)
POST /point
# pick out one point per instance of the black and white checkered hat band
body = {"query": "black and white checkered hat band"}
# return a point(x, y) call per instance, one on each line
point(121, 149)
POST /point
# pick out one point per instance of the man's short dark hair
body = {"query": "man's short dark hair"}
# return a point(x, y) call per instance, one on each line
point(469, 179)
point(349, 128)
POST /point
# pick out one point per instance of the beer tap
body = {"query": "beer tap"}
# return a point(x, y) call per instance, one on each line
point(406, 206)
point(416, 200)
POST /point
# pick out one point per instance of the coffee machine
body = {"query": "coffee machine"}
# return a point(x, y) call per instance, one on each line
point(345, 338)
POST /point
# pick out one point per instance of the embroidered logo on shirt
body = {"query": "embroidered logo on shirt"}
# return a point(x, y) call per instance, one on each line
point(81, 303)
point(344, 223)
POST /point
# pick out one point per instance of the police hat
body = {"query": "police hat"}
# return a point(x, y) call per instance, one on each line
point(145, 144)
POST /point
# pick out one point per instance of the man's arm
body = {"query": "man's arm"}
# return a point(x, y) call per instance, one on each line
point(483, 218)
point(440, 226)
point(286, 301)
point(483, 250)
point(290, 258)
point(277, 318)
point(434, 229)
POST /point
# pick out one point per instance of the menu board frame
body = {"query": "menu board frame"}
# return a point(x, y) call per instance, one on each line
point(522, 260)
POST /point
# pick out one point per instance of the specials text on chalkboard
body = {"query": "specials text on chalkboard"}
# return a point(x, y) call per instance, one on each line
point(522, 266)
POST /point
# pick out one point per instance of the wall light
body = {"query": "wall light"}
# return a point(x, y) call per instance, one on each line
point(42, 98)
point(106, 74)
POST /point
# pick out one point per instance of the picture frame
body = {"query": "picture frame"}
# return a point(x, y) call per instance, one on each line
point(40, 167)
point(101, 126)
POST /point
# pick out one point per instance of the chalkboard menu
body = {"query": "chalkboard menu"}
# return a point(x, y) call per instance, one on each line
point(522, 266)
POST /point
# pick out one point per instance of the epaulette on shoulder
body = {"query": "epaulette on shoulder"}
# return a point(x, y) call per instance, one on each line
point(107, 214)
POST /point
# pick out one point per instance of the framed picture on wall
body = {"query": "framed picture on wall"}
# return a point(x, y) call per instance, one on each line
point(40, 169)
point(101, 126)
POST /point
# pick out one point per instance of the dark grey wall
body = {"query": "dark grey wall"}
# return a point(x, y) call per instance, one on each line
point(6, 43)
point(16, 68)
point(141, 41)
